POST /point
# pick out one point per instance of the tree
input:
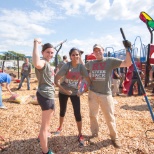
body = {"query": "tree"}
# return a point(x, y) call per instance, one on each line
point(13, 55)
point(59, 59)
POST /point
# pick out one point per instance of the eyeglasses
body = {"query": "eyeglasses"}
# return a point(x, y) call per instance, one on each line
point(75, 55)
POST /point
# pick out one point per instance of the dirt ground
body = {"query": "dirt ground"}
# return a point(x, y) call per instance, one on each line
point(20, 124)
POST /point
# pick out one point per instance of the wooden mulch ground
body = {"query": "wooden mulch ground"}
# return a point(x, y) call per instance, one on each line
point(20, 124)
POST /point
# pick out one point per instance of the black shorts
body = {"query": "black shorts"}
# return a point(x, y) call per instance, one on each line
point(45, 103)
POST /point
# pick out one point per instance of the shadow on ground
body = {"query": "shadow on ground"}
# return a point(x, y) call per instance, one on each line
point(137, 108)
point(59, 145)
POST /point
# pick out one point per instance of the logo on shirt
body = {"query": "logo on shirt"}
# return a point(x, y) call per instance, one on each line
point(98, 72)
point(72, 78)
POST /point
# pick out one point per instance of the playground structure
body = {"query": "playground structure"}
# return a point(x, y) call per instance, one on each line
point(139, 54)
point(143, 57)
point(150, 59)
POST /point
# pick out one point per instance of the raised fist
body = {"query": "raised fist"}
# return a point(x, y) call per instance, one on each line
point(37, 40)
point(127, 44)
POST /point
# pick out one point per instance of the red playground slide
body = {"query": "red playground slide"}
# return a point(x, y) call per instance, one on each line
point(127, 82)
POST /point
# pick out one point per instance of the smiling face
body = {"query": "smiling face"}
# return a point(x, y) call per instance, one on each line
point(74, 55)
point(48, 53)
point(98, 52)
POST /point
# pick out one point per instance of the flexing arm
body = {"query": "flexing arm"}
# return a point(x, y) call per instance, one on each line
point(39, 64)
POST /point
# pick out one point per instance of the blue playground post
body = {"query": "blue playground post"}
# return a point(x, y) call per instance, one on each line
point(144, 93)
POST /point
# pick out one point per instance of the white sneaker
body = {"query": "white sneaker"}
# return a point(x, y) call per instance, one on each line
point(3, 107)
point(115, 101)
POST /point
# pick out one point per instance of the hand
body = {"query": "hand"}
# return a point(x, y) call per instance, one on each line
point(120, 77)
point(79, 93)
point(30, 75)
point(13, 94)
point(68, 92)
point(38, 40)
point(127, 44)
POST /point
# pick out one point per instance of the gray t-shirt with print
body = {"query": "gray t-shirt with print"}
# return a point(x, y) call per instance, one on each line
point(45, 78)
point(26, 68)
point(72, 77)
point(100, 74)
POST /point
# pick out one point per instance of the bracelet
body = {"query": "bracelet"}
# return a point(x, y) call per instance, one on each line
point(36, 41)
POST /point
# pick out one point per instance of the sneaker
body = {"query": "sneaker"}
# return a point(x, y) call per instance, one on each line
point(81, 140)
point(58, 131)
point(116, 143)
point(3, 107)
point(50, 152)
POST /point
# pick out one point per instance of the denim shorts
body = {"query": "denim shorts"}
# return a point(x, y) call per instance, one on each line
point(45, 103)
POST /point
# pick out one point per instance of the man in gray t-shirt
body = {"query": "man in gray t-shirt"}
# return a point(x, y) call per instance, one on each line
point(100, 90)
point(25, 73)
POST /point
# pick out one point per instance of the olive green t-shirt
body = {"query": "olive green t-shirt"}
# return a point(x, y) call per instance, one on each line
point(45, 78)
point(26, 68)
point(72, 76)
point(100, 74)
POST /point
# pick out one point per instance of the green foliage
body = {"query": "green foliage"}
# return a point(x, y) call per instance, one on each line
point(12, 55)
point(1, 57)
point(59, 60)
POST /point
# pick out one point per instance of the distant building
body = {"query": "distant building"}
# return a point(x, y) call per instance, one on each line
point(11, 63)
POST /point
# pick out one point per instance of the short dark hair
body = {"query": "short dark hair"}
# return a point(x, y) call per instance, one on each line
point(47, 45)
point(13, 75)
point(73, 50)
point(64, 57)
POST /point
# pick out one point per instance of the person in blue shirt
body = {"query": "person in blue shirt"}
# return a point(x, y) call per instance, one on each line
point(5, 78)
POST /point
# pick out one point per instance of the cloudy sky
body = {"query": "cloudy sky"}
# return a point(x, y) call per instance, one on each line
point(82, 22)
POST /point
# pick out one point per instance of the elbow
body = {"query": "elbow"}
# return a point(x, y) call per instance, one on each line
point(129, 63)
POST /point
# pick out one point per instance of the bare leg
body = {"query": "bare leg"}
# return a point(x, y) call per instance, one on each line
point(61, 120)
point(79, 125)
point(43, 135)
